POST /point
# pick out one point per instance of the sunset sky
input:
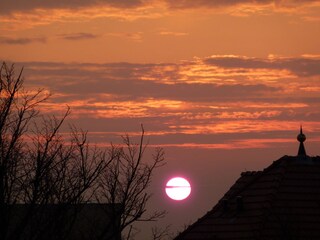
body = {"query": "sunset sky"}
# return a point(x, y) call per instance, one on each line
point(222, 86)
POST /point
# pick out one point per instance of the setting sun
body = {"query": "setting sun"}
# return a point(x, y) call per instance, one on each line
point(178, 188)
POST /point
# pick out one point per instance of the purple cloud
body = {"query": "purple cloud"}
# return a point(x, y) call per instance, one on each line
point(110, 98)
point(124, 80)
point(78, 36)
point(9, 6)
point(299, 66)
point(222, 3)
point(22, 41)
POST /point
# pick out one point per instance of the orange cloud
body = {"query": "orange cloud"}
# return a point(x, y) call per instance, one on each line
point(240, 144)
point(175, 34)
point(135, 36)
point(232, 101)
point(36, 13)
point(243, 126)
point(45, 16)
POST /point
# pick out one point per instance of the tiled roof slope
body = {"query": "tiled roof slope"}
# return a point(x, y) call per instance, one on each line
point(280, 202)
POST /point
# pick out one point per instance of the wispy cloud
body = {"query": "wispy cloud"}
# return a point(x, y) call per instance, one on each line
point(175, 34)
point(22, 19)
point(300, 66)
point(32, 13)
point(135, 36)
point(8, 6)
point(22, 40)
point(221, 3)
point(238, 98)
point(78, 36)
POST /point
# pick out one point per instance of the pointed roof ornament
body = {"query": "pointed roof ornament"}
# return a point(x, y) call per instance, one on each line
point(301, 138)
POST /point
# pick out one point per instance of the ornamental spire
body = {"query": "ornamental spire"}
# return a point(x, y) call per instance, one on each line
point(301, 138)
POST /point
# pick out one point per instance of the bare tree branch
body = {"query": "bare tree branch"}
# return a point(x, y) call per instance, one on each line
point(126, 180)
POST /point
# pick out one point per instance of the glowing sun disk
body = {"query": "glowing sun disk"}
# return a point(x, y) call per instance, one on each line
point(178, 188)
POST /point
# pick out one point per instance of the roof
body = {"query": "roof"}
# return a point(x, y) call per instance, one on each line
point(280, 202)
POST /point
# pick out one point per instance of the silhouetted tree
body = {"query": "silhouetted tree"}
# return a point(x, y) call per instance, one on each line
point(39, 168)
point(125, 181)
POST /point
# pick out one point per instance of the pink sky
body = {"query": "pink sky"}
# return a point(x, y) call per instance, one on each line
point(223, 86)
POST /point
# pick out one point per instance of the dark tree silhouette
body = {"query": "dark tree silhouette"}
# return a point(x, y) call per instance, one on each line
point(125, 180)
point(40, 168)
point(37, 166)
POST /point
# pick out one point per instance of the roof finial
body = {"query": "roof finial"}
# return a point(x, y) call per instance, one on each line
point(301, 138)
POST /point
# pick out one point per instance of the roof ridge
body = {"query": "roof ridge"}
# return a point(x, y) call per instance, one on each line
point(257, 175)
point(250, 173)
point(277, 181)
point(219, 203)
